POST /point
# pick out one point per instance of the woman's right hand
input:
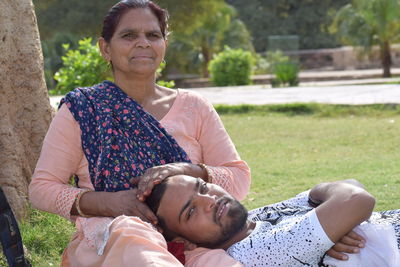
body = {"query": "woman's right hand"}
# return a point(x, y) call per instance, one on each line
point(113, 204)
point(126, 203)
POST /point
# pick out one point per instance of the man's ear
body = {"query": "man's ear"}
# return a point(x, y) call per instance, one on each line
point(104, 49)
point(188, 245)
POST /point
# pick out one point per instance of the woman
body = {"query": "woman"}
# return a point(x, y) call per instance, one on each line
point(112, 135)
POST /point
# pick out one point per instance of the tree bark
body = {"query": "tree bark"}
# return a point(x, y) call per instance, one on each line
point(386, 59)
point(25, 110)
point(206, 60)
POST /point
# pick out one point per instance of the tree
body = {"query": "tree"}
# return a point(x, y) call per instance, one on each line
point(370, 22)
point(59, 23)
point(309, 19)
point(84, 18)
point(221, 28)
point(207, 37)
point(24, 104)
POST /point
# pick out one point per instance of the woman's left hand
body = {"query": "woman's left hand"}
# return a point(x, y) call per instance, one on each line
point(157, 174)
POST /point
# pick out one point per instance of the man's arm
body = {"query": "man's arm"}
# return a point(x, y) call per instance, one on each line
point(344, 205)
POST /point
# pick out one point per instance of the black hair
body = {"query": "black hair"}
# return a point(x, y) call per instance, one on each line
point(116, 12)
point(153, 201)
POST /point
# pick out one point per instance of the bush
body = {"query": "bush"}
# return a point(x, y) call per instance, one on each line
point(81, 67)
point(53, 51)
point(262, 66)
point(286, 71)
point(286, 74)
point(231, 67)
point(169, 84)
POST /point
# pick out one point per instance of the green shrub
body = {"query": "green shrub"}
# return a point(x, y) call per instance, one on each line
point(81, 67)
point(169, 84)
point(232, 67)
point(286, 71)
point(262, 65)
point(276, 57)
point(53, 51)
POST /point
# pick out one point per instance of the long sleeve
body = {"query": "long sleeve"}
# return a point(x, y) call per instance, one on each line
point(196, 126)
point(219, 153)
point(61, 157)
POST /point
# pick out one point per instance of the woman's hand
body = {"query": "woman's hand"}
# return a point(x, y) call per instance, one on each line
point(126, 203)
point(157, 174)
point(350, 243)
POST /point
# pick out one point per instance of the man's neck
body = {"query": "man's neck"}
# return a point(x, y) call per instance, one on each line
point(242, 234)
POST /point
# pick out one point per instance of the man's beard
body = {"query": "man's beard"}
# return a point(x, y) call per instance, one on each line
point(237, 216)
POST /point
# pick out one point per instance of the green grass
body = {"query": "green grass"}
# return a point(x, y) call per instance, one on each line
point(288, 153)
point(289, 148)
point(45, 235)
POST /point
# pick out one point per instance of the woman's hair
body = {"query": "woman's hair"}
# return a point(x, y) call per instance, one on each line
point(115, 14)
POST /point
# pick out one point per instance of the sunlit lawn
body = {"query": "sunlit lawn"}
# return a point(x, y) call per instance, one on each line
point(287, 154)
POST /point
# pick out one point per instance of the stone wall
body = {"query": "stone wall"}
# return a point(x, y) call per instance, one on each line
point(343, 58)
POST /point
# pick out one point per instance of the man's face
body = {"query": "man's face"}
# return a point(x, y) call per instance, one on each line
point(203, 213)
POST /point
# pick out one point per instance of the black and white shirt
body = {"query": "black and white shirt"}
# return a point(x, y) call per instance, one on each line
point(289, 233)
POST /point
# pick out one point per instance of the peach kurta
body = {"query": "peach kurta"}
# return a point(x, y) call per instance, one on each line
point(197, 128)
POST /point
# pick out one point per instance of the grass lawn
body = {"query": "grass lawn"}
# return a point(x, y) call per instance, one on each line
point(289, 154)
point(289, 148)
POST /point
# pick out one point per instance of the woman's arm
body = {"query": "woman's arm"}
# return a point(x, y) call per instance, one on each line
point(61, 157)
point(198, 129)
point(219, 153)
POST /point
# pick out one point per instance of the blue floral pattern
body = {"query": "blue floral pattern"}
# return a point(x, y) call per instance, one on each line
point(119, 138)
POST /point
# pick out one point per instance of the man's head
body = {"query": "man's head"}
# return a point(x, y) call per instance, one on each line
point(204, 214)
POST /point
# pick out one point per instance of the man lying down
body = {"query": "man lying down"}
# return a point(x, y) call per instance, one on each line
point(295, 232)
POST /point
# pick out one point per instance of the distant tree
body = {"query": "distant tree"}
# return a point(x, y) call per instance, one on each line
point(84, 18)
point(64, 21)
point(208, 36)
point(370, 22)
point(309, 19)
point(219, 29)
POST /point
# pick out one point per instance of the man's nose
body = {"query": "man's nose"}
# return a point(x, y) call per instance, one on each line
point(208, 202)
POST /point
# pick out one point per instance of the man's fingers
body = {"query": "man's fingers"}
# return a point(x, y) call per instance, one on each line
point(352, 242)
point(356, 236)
point(341, 247)
point(337, 255)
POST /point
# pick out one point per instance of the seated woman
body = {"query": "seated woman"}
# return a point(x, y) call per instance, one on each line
point(113, 134)
point(295, 232)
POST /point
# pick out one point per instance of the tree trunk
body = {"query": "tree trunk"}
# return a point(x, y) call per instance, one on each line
point(386, 59)
point(25, 111)
point(206, 59)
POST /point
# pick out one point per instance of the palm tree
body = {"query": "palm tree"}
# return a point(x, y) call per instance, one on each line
point(370, 22)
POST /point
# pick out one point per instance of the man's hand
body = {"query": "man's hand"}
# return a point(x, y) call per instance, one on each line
point(350, 243)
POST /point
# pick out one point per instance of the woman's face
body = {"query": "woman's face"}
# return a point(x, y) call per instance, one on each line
point(137, 46)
